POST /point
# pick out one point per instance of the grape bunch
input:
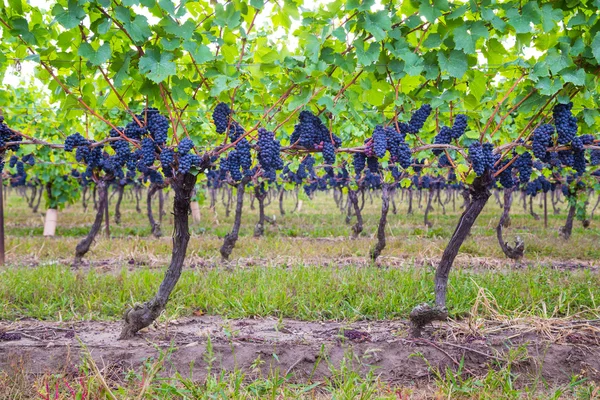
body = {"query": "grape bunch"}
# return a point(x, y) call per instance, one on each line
point(477, 158)
point(595, 157)
point(443, 137)
point(524, 165)
point(242, 149)
point(28, 159)
point(566, 158)
point(579, 161)
point(7, 135)
point(417, 120)
point(158, 126)
point(489, 157)
point(185, 146)
point(542, 137)
point(167, 160)
point(269, 156)
point(148, 154)
point(75, 140)
point(506, 176)
point(220, 116)
point(328, 153)
point(565, 123)
point(373, 164)
point(459, 126)
point(379, 141)
point(404, 155)
point(187, 161)
point(311, 133)
point(358, 163)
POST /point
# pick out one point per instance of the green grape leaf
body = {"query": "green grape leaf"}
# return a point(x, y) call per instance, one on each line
point(367, 54)
point(433, 9)
point(71, 17)
point(596, 46)
point(95, 57)
point(157, 66)
point(378, 24)
point(455, 64)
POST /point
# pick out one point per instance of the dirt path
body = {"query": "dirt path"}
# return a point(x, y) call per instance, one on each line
point(304, 349)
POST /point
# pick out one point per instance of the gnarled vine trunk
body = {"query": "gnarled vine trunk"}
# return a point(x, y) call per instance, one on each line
point(567, 229)
point(533, 214)
point(281, 194)
point(479, 195)
point(232, 237)
point(428, 208)
point(155, 226)
point(385, 205)
point(358, 227)
point(84, 245)
point(141, 316)
point(120, 190)
point(259, 228)
point(39, 199)
point(516, 252)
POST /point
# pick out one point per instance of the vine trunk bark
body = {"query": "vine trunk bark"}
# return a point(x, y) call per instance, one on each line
point(516, 252)
point(154, 225)
point(385, 206)
point(358, 226)
point(141, 316)
point(232, 237)
point(84, 245)
point(423, 314)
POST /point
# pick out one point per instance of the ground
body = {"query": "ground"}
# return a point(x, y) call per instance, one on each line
point(301, 312)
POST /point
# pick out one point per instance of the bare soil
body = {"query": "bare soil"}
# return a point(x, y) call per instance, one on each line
point(303, 349)
point(476, 264)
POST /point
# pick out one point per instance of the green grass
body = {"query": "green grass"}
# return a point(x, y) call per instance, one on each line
point(319, 218)
point(301, 292)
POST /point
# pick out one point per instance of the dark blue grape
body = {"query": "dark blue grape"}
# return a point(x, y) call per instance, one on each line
point(477, 158)
point(185, 146)
point(565, 123)
point(358, 162)
point(220, 116)
point(379, 141)
point(542, 137)
point(460, 126)
point(418, 119)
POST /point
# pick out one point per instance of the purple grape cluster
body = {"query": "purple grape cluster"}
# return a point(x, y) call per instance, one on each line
point(417, 120)
point(542, 137)
point(269, 156)
point(459, 126)
point(359, 161)
point(311, 133)
point(220, 116)
point(524, 165)
point(477, 158)
point(379, 141)
point(565, 123)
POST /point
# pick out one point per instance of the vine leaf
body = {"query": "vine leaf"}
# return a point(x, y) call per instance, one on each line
point(596, 46)
point(366, 55)
point(455, 64)
point(157, 66)
point(378, 24)
point(71, 17)
point(95, 57)
point(432, 9)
